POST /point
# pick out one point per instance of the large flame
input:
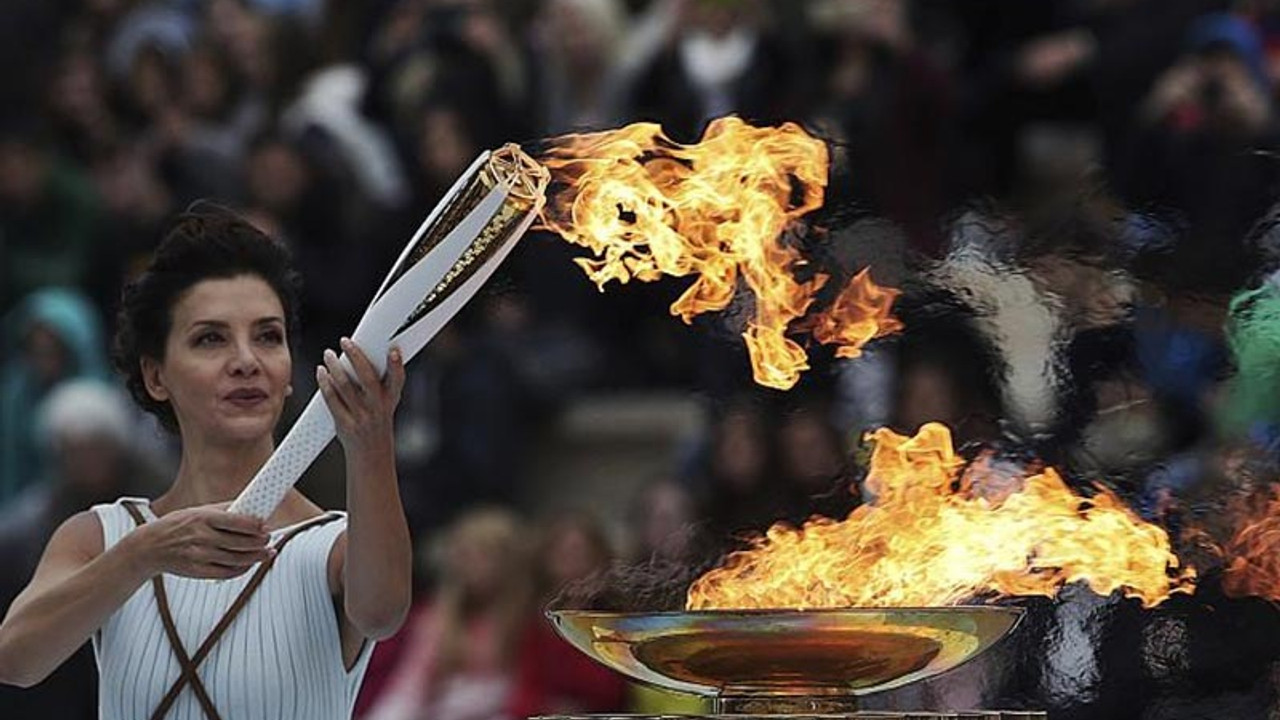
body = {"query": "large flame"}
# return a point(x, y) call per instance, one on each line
point(1253, 553)
point(647, 207)
point(935, 534)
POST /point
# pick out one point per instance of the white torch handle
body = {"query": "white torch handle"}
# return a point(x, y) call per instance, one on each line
point(314, 428)
point(308, 437)
point(394, 305)
point(416, 336)
point(454, 191)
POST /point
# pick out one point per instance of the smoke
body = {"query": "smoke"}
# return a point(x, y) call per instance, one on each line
point(655, 585)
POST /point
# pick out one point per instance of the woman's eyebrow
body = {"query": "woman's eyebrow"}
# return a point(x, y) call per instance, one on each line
point(209, 323)
point(269, 320)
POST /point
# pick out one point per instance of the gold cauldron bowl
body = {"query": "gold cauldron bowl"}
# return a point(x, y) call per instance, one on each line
point(753, 660)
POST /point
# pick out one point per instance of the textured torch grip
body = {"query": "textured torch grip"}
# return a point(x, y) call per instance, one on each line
point(307, 438)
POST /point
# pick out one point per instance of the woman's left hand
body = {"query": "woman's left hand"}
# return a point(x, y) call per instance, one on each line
point(363, 405)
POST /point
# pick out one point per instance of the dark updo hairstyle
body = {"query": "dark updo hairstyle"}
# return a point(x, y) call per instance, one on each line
point(206, 242)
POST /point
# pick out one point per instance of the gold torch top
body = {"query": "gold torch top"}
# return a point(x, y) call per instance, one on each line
point(523, 177)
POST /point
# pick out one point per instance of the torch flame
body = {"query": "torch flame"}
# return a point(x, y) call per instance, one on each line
point(859, 314)
point(932, 536)
point(646, 207)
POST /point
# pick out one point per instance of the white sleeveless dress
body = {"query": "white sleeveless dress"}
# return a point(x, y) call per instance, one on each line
point(280, 659)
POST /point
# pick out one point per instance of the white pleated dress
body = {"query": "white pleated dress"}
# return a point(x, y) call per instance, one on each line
point(281, 658)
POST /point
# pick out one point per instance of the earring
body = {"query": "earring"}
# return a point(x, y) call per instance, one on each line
point(288, 390)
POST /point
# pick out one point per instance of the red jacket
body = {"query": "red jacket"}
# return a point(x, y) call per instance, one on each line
point(554, 677)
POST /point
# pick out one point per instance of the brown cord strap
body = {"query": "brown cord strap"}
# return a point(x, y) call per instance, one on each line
point(190, 664)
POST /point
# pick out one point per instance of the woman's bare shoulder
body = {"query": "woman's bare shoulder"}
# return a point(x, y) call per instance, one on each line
point(296, 508)
point(80, 534)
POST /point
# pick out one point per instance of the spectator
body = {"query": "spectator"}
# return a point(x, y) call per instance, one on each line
point(947, 371)
point(459, 655)
point(1202, 148)
point(269, 54)
point(578, 47)
point(48, 216)
point(742, 490)
point(25, 42)
point(59, 337)
point(80, 114)
point(292, 197)
point(447, 142)
point(84, 429)
point(812, 466)
point(723, 59)
point(554, 677)
point(892, 108)
point(459, 50)
point(223, 113)
point(663, 523)
point(482, 412)
point(136, 203)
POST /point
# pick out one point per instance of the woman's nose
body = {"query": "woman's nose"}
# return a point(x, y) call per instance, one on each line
point(246, 360)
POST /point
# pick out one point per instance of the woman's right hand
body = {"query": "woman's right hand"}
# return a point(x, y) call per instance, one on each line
point(79, 583)
point(202, 542)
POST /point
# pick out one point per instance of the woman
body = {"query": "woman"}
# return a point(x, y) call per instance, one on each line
point(552, 676)
point(203, 343)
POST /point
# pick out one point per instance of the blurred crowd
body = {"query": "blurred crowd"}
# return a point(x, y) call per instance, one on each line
point(1077, 199)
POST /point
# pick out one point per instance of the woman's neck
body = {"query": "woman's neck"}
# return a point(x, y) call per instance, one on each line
point(212, 473)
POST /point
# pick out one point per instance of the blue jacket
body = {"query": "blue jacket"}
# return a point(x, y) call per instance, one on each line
point(70, 317)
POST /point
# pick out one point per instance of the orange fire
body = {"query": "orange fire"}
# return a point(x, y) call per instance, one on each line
point(938, 533)
point(858, 315)
point(1253, 553)
point(647, 207)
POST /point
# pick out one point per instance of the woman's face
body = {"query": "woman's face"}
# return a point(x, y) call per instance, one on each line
point(446, 149)
point(47, 355)
point(477, 564)
point(227, 365)
point(206, 83)
point(740, 455)
point(810, 455)
point(665, 526)
point(572, 555)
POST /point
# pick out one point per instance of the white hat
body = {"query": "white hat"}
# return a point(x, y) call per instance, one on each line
point(84, 408)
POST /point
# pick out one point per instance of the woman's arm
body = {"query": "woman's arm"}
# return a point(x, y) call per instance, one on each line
point(75, 589)
point(373, 560)
point(77, 585)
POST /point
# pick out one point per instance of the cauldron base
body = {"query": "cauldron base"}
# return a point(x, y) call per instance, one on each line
point(789, 715)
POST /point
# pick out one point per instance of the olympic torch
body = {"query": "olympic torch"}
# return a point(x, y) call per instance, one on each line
point(453, 253)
